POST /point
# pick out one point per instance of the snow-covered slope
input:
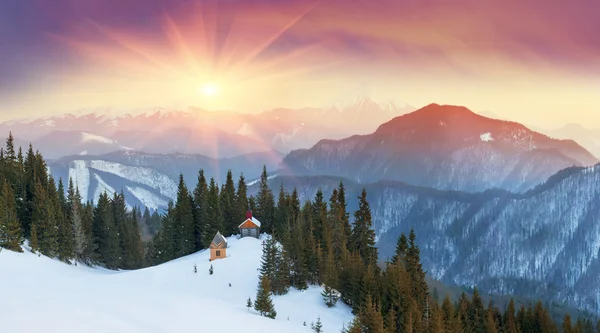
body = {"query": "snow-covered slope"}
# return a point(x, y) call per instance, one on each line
point(166, 298)
point(150, 180)
point(544, 243)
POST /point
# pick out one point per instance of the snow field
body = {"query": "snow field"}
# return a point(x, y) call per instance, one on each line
point(40, 294)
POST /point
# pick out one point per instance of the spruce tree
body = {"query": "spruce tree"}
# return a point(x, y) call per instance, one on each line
point(263, 302)
point(241, 199)
point(330, 296)
point(249, 303)
point(318, 326)
point(567, 327)
point(401, 249)
point(371, 318)
point(80, 240)
point(106, 236)
point(214, 217)
point(185, 242)
point(282, 272)
point(229, 210)
point(33, 241)
point(509, 321)
point(390, 321)
point(363, 235)
point(265, 204)
point(11, 236)
point(201, 212)
point(44, 217)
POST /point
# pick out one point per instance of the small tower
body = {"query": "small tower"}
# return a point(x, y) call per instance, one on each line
point(218, 247)
point(250, 227)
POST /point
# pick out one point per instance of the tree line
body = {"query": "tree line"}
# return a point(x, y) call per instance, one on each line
point(313, 243)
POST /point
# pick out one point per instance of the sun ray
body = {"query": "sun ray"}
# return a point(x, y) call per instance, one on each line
point(287, 57)
point(176, 38)
point(133, 46)
point(270, 40)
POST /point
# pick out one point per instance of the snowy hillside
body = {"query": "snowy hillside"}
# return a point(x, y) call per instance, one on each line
point(166, 298)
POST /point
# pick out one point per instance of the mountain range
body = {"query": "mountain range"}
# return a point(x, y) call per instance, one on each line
point(217, 134)
point(544, 243)
point(443, 147)
point(150, 180)
point(500, 206)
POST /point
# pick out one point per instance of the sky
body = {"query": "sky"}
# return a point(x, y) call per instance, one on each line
point(529, 61)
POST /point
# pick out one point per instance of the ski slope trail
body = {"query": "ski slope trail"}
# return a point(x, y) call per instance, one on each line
point(40, 294)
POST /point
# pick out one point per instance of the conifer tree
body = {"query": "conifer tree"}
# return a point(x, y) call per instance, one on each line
point(390, 321)
point(330, 296)
point(214, 217)
point(451, 321)
point(477, 313)
point(185, 242)
point(509, 321)
point(567, 327)
point(263, 302)
point(282, 213)
point(265, 204)
point(401, 249)
point(66, 250)
point(371, 318)
point(363, 235)
point(106, 236)
point(44, 217)
point(318, 326)
point(282, 272)
point(249, 303)
point(228, 207)
point(79, 236)
point(33, 241)
point(355, 326)
point(241, 199)
point(201, 212)
point(10, 228)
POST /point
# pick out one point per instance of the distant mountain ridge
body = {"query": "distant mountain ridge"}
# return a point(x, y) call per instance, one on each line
point(444, 147)
point(544, 243)
point(150, 180)
point(217, 134)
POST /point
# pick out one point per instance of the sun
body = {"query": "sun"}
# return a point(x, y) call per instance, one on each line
point(209, 89)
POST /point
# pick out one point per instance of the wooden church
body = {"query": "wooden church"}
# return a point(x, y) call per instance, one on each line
point(250, 227)
point(218, 247)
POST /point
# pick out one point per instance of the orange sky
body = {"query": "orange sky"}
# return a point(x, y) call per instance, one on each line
point(538, 64)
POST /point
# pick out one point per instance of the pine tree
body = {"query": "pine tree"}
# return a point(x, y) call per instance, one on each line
point(265, 204)
point(185, 242)
point(66, 248)
point(106, 235)
point(249, 303)
point(263, 303)
point(241, 199)
point(371, 317)
point(33, 241)
point(211, 270)
point(201, 212)
point(44, 217)
point(282, 272)
point(228, 207)
point(450, 319)
point(10, 228)
point(318, 326)
point(390, 321)
point(330, 296)
point(362, 239)
point(214, 222)
point(567, 327)
point(355, 326)
point(509, 321)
